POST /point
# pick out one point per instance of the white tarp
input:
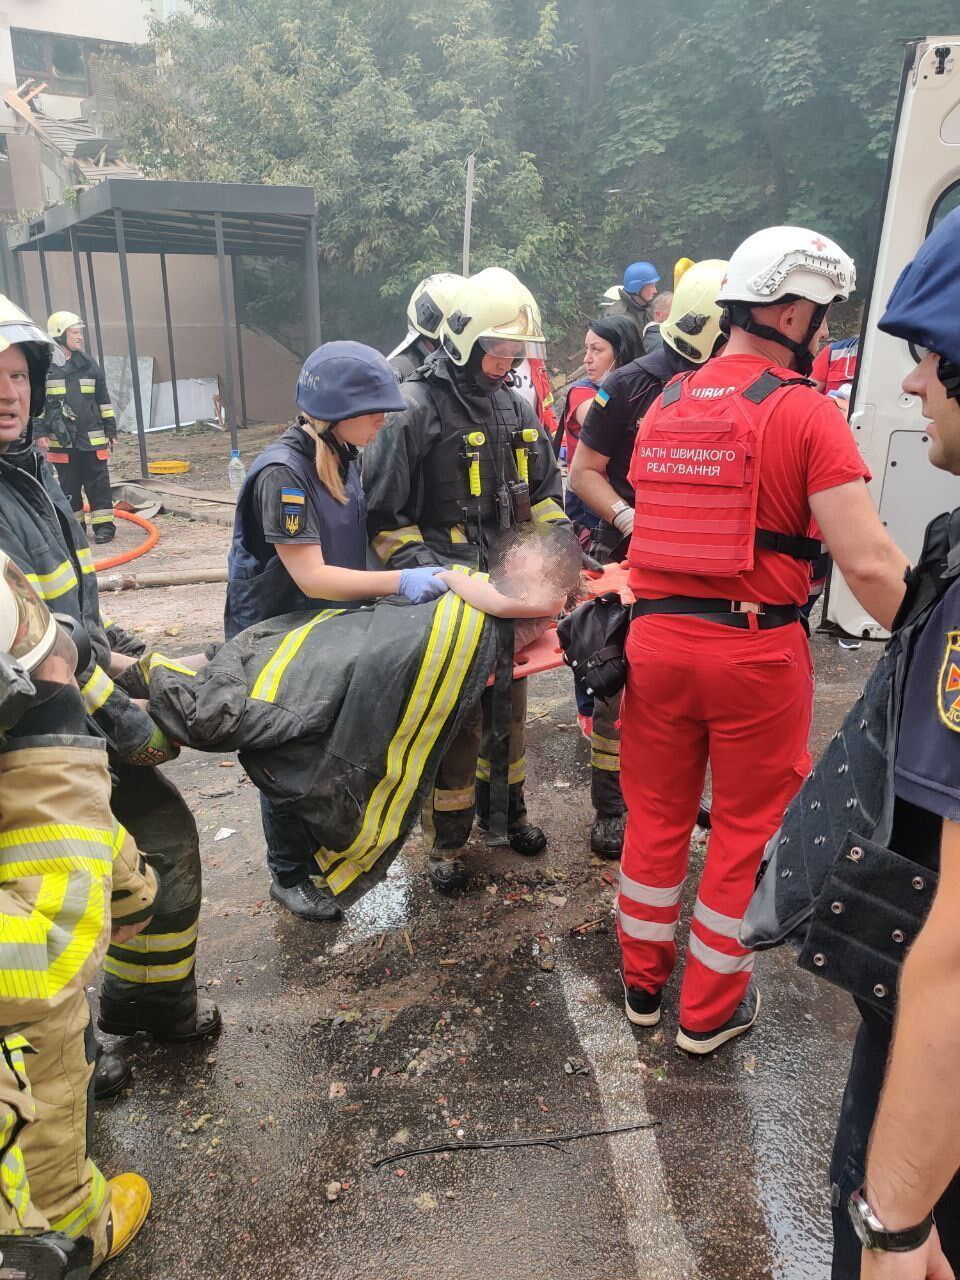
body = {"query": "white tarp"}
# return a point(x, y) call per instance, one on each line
point(195, 400)
point(120, 386)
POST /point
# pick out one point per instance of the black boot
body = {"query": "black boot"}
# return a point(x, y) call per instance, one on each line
point(170, 1025)
point(104, 533)
point(703, 815)
point(528, 840)
point(111, 1075)
point(306, 900)
point(606, 834)
point(448, 875)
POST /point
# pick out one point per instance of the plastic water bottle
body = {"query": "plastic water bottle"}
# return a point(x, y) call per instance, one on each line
point(236, 471)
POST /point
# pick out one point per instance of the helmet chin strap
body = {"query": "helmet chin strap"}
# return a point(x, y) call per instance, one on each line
point(802, 355)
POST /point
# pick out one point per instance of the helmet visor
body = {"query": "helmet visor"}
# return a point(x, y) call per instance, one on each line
point(34, 630)
point(513, 348)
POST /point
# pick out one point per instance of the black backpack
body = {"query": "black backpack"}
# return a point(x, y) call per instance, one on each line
point(593, 638)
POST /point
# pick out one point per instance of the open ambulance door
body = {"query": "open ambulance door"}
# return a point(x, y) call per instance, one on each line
point(923, 185)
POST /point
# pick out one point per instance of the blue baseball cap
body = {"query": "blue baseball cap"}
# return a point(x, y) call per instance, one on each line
point(924, 307)
point(347, 380)
point(639, 274)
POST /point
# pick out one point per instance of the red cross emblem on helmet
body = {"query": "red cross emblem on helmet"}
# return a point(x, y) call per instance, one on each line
point(819, 244)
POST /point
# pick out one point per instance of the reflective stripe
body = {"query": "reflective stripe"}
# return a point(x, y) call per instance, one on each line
point(548, 510)
point(646, 930)
point(726, 926)
point(107, 411)
point(267, 684)
point(516, 771)
point(455, 634)
point(88, 384)
point(76, 1223)
point(105, 622)
point(55, 583)
point(147, 974)
point(647, 895)
point(605, 761)
point(96, 691)
point(453, 801)
point(719, 961)
point(103, 516)
point(56, 388)
point(85, 557)
point(458, 534)
point(97, 440)
point(14, 1183)
point(158, 660)
point(387, 543)
point(149, 943)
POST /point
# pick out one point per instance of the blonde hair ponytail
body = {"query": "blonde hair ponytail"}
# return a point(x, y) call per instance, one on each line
point(325, 459)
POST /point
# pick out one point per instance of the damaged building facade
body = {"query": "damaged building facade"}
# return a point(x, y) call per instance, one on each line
point(55, 140)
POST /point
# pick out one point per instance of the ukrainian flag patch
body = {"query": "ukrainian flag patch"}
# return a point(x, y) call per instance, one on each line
point(601, 398)
point(292, 503)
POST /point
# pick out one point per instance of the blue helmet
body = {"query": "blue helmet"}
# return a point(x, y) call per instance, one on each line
point(347, 380)
point(639, 274)
point(924, 307)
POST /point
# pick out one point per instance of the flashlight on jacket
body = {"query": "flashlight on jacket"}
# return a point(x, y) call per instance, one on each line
point(473, 441)
point(527, 436)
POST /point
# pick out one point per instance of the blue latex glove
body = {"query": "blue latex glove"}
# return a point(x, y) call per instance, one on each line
point(421, 584)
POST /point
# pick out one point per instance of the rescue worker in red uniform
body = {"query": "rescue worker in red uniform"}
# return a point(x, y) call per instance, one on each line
point(730, 463)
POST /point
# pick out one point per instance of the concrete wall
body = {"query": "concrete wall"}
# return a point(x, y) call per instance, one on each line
point(271, 371)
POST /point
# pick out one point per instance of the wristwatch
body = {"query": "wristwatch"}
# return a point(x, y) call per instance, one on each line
point(872, 1234)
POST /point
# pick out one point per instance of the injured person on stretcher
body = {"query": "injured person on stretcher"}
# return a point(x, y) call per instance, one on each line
point(341, 717)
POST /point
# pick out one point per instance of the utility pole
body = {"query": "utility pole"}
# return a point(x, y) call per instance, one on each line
point(468, 213)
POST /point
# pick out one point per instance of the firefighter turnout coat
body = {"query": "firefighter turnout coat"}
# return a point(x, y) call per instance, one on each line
point(78, 414)
point(432, 492)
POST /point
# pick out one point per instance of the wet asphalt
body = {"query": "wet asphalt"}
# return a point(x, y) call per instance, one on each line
point(421, 1021)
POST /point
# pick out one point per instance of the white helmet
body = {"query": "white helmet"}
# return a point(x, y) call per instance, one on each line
point(610, 296)
point(430, 302)
point(782, 264)
point(495, 310)
point(693, 325)
point(788, 262)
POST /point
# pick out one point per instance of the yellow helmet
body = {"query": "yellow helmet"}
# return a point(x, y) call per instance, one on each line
point(693, 325)
point(680, 267)
point(17, 329)
point(61, 321)
point(495, 310)
point(430, 302)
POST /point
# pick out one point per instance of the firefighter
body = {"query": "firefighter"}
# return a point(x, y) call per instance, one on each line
point(428, 304)
point(465, 459)
point(69, 874)
point(149, 982)
point(729, 464)
point(599, 477)
point(300, 541)
point(79, 426)
point(640, 280)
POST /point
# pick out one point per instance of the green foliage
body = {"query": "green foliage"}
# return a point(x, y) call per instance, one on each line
point(604, 130)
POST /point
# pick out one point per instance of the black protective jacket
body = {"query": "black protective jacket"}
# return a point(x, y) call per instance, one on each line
point(78, 413)
point(416, 473)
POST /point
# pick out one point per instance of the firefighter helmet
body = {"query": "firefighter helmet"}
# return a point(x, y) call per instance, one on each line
point(610, 296)
point(681, 266)
point(28, 630)
point(693, 325)
point(786, 263)
point(61, 321)
point(495, 311)
point(17, 329)
point(430, 302)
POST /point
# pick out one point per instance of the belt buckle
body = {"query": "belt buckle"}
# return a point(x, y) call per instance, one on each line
point(746, 606)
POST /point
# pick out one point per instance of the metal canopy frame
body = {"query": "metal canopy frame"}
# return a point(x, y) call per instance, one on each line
point(225, 220)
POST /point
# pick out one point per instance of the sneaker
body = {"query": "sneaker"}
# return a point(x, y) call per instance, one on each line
point(642, 1007)
point(586, 726)
point(741, 1020)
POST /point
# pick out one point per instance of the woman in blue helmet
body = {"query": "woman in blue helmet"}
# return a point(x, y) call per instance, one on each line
point(300, 542)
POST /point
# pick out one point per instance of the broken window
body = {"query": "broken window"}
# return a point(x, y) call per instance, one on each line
point(64, 62)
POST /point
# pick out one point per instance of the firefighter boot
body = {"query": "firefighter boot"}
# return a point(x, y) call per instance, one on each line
point(606, 834)
point(111, 1075)
point(448, 875)
point(129, 1205)
point(172, 1020)
point(307, 900)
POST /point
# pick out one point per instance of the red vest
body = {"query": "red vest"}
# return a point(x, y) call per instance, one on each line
point(696, 475)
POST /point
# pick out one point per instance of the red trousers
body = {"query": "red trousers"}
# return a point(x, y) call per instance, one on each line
point(698, 691)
